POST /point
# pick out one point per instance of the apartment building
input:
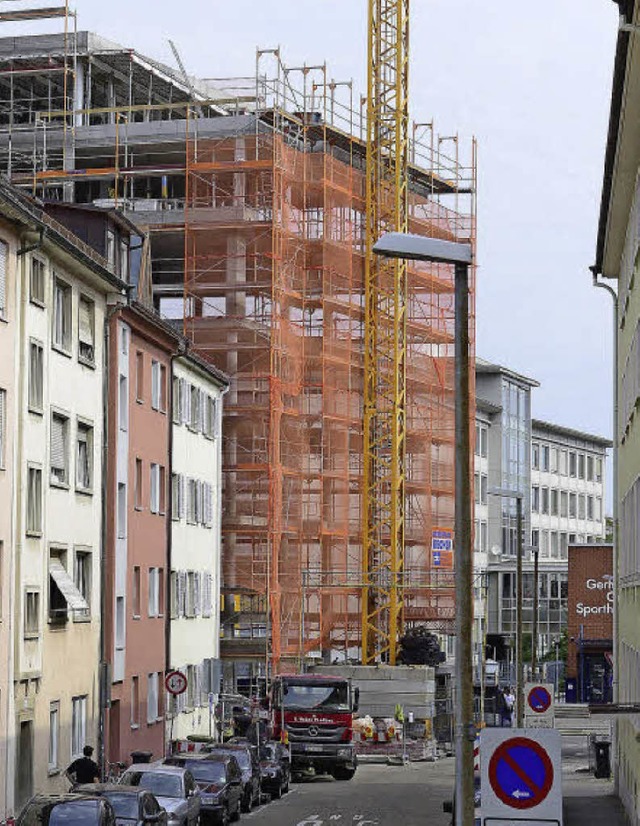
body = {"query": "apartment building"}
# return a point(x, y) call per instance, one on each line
point(617, 259)
point(196, 476)
point(141, 347)
point(55, 300)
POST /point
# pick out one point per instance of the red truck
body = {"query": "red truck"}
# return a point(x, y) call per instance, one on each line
point(318, 722)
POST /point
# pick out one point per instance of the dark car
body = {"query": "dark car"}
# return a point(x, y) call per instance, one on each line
point(67, 810)
point(219, 781)
point(132, 805)
point(275, 769)
point(249, 766)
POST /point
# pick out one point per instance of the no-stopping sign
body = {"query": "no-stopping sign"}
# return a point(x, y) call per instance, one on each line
point(175, 682)
point(539, 705)
point(539, 699)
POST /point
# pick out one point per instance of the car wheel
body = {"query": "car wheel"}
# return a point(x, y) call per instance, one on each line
point(342, 773)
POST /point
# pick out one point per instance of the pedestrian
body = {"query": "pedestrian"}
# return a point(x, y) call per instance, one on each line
point(502, 708)
point(84, 769)
point(511, 702)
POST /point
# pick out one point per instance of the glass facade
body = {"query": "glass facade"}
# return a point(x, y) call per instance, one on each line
point(516, 438)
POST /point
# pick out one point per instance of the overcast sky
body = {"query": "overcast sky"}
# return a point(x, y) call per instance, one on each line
point(532, 81)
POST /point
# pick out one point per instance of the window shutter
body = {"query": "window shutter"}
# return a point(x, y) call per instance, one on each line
point(206, 596)
point(214, 417)
point(182, 496)
point(182, 593)
point(199, 684)
point(85, 323)
point(203, 405)
point(3, 278)
point(57, 443)
point(197, 589)
point(186, 408)
point(3, 395)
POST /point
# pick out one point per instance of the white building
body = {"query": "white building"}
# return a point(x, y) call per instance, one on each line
point(59, 295)
point(196, 481)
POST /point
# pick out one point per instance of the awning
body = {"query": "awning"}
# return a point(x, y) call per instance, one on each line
point(67, 586)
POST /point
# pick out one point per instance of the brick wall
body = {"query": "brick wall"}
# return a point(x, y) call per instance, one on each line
point(590, 597)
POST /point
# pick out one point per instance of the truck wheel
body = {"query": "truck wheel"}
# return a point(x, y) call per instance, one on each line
point(341, 773)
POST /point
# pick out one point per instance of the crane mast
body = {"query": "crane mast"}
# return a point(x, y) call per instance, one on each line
point(385, 332)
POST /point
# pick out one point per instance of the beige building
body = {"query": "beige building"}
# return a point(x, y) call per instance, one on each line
point(57, 295)
point(196, 481)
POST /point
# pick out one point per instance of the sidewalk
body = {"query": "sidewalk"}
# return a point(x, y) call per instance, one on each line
point(591, 802)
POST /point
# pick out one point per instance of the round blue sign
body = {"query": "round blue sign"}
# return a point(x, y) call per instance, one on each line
point(521, 773)
point(539, 699)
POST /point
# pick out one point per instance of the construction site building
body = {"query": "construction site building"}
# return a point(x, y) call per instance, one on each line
point(252, 191)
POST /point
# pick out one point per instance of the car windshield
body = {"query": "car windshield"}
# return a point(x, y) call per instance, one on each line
point(125, 805)
point(334, 697)
point(208, 771)
point(160, 783)
point(73, 813)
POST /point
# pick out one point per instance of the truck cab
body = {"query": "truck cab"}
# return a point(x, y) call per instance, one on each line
point(314, 714)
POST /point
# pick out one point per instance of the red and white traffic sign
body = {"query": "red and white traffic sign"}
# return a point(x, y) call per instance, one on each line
point(521, 776)
point(539, 706)
point(539, 699)
point(175, 682)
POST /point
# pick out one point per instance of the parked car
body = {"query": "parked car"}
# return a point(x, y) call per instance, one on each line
point(275, 769)
point(131, 804)
point(219, 780)
point(174, 788)
point(67, 810)
point(249, 767)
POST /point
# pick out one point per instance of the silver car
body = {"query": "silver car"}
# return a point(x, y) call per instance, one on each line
point(174, 788)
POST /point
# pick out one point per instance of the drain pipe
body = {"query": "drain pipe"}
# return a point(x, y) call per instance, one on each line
point(616, 443)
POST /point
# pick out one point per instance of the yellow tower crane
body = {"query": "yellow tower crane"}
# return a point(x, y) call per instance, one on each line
point(385, 332)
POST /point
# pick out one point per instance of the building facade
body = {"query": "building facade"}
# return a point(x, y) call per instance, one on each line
point(196, 476)
point(561, 474)
point(59, 289)
point(138, 531)
point(617, 245)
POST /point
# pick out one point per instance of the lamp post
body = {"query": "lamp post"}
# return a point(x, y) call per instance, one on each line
point(419, 248)
point(506, 493)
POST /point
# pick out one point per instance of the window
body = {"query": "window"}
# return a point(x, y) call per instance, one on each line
point(483, 493)
point(195, 408)
point(152, 698)
point(62, 315)
point(535, 498)
point(139, 376)
point(136, 591)
point(544, 544)
point(124, 260)
point(589, 507)
point(59, 450)
point(86, 330)
point(175, 401)
point(553, 505)
point(157, 497)
point(138, 486)
point(124, 340)
point(563, 546)
point(598, 469)
point(36, 281)
point(160, 592)
point(155, 385)
point(154, 592)
point(581, 506)
point(58, 609)
point(163, 388)
point(123, 414)
point(544, 457)
point(34, 500)
point(120, 623)
point(175, 497)
point(573, 509)
point(111, 249)
point(36, 376)
point(3, 279)
point(78, 725)
point(31, 614)
point(573, 466)
point(580, 465)
point(535, 456)
point(598, 510)
point(82, 577)
point(476, 487)
point(54, 734)
point(535, 538)
point(3, 425)
point(122, 510)
point(564, 503)
point(553, 460)
point(84, 457)
point(554, 547)
point(589, 468)
point(544, 500)
point(190, 596)
point(135, 702)
point(563, 466)
point(211, 419)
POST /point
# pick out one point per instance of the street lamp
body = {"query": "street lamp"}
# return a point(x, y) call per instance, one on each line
point(419, 248)
point(506, 493)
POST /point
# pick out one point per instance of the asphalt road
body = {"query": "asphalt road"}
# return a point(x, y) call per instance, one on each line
point(378, 795)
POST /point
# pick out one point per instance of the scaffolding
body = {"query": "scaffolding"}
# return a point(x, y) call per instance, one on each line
point(274, 295)
point(254, 197)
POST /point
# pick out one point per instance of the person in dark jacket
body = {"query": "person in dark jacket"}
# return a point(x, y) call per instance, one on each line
point(84, 769)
